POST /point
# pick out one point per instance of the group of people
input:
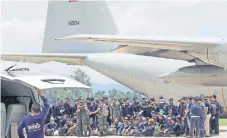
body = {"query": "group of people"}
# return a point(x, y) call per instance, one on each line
point(190, 116)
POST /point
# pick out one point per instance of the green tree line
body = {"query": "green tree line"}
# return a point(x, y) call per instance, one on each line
point(82, 77)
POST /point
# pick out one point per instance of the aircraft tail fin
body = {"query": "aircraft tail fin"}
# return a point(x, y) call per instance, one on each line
point(72, 17)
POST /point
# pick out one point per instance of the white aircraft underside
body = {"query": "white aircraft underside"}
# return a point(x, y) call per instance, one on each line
point(138, 72)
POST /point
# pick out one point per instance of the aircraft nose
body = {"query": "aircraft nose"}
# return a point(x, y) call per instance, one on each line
point(165, 77)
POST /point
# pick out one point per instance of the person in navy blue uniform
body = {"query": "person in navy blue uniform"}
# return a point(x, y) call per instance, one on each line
point(171, 109)
point(127, 109)
point(186, 117)
point(161, 105)
point(146, 109)
point(63, 121)
point(163, 121)
point(67, 108)
point(149, 128)
point(216, 117)
point(137, 128)
point(56, 111)
point(182, 106)
point(181, 112)
point(154, 115)
point(136, 106)
point(34, 123)
point(92, 107)
point(173, 128)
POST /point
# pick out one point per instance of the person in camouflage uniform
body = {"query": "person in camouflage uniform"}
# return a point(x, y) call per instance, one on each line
point(72, 131)
point(82, 120)
point(115, 109)
point(102, 116)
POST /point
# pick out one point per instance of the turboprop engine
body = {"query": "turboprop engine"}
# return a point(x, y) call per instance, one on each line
point(206, 75)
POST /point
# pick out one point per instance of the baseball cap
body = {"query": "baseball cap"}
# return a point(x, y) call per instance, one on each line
point(197, 98)
point(162, 101)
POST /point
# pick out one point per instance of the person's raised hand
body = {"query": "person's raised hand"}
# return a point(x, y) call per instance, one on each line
point(39, 92)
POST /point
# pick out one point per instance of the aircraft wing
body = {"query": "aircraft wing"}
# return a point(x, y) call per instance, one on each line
point(181, 44)
point(164, 47)
point(42, 58)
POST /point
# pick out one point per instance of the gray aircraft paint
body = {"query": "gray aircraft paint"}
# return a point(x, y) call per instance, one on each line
point(89, 17)
point(136, 72)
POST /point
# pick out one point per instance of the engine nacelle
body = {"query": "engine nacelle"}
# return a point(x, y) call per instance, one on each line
point(203, 75)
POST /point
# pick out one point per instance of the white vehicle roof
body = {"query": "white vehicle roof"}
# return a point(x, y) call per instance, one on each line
point(45, 82)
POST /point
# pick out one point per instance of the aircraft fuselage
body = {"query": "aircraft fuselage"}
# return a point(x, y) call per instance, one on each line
point(140, 72)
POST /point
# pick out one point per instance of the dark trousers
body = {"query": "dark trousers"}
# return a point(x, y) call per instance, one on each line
point(216, 123)
point(186, 127)
point(93, 122)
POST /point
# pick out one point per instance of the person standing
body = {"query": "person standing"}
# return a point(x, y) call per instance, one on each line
point(82, 120)
point(194, 118)
point(208, 115)
point(92, 106)
point(171, 109)
point(216, 117)
point(34, 123)
point(115, 109)
point(202, 116)
point(102, 116)
point(127, 110)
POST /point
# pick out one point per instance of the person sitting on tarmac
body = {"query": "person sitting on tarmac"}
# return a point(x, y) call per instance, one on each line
point(137, 128)
point(150, 128)
point(50, 127)
point(63, 125)
point(71, 129)
point(116, 128)
point(128, 124)
point(173, 128)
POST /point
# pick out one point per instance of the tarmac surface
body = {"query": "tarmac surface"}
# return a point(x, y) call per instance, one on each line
point(222, 135)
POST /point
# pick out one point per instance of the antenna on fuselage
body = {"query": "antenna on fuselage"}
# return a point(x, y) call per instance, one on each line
point(10, 69)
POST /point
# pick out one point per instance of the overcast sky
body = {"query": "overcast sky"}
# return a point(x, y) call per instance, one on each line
point(23, 23)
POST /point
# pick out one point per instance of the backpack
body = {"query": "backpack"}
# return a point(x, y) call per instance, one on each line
point(213, 109)
point(221, 108)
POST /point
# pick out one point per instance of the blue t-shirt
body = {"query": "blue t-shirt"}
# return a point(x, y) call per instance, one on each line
point(34, 125)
